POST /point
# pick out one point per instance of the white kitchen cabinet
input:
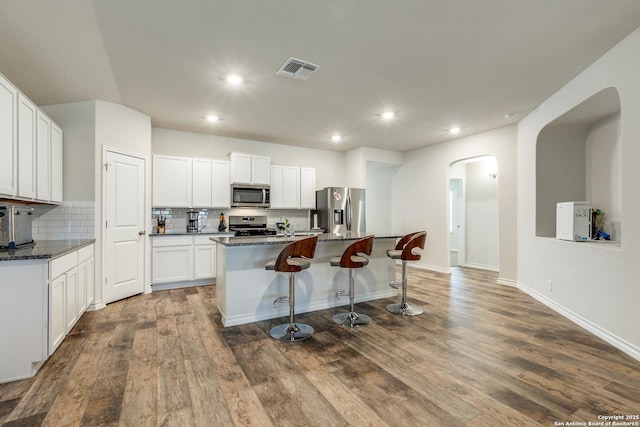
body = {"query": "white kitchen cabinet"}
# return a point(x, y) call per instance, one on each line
point(204, 258)
point(250, 169)
point(85, 279)
point(182, 260)
point(8, 138)
point(43, 157)
point(307, 188)
point(71, 298)
point(91, 282)
point(202, 175)
point(220, 187)
point(57, 322)
point(27, 113)
point(285, 187)
point(55, 170)
point(172, 259)
point(172, 181)
point(70, 280)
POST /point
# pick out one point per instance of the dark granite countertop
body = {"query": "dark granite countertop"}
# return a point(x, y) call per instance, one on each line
point(279, 240)
point(44, 249)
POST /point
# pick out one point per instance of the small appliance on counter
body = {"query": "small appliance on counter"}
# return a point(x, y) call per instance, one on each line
point(192, 221)
point(573, 221)
point(15, 227)
point(250, 226)
point(222, 226)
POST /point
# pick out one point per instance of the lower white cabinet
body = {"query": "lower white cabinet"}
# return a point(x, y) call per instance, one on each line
point(71, 290)
point(179, 259)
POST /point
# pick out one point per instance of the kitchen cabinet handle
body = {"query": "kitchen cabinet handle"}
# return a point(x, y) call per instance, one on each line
point(142, 233)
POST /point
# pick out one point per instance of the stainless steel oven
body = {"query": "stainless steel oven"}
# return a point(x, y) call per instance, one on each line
point(254, 196)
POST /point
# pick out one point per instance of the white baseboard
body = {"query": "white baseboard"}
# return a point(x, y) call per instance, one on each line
point(481, 267)
point(178, 285)
point(445, 270)
point(612, 339)
point(507, 282)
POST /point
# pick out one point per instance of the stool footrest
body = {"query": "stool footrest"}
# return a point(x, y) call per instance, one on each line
point(395, 285)
point(339, 294)
point(280, 300)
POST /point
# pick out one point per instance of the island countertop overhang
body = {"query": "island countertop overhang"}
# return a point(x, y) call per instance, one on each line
point(279, 240)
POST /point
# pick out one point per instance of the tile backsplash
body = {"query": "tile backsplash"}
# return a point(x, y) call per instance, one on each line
point(68, 221)
point(176, 218)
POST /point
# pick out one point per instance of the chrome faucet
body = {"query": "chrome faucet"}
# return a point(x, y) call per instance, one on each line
point(203, 227)
point(289, 231)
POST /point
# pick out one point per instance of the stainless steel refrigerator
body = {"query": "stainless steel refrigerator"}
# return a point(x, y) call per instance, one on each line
point(341, 210)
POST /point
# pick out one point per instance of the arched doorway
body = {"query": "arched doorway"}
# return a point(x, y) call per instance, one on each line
point(473, 213)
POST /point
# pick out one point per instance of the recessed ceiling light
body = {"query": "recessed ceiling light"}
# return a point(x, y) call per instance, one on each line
point(234, 79)
point(336, 138)
point(388, 115)
point(212, 118)
point(454, 130)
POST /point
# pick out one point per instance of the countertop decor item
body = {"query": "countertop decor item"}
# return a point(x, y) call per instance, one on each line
point(161, 225)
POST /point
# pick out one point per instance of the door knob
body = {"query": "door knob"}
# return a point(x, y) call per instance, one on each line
point(142, 233)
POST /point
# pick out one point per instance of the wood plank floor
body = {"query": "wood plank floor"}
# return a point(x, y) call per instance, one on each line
point(482, 354)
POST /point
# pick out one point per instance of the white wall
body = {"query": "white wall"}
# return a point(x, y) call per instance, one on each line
point(421, 191)
point(593, 283)
point(329, 165)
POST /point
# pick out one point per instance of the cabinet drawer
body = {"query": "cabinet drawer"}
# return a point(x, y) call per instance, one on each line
point(85, 253)
point(159, 242)
point(62, 264)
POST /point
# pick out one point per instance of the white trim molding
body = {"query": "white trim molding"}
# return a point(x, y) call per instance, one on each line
point(612, 339)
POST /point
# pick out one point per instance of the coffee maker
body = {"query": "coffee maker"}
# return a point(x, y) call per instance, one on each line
point(192, 221)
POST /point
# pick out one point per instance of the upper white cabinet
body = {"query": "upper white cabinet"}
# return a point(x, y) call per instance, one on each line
point(202, 183)
point(250, 169)
point(27, 113)
point(55, 171)
point(293, 187)
point(220, 188)
point(31, 147)
point(307, 188)
point(43, 157)
point(172, 181)
point(185, 182)
point(285, 187)
point(8, 138)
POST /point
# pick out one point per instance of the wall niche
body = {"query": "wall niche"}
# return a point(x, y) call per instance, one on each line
point(578, 157)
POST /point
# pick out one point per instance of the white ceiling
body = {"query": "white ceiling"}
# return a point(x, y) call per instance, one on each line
point(436, 63)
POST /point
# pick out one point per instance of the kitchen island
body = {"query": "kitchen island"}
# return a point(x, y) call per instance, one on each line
point(246, 291)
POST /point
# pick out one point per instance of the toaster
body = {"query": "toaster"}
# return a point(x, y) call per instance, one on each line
point(15, 226)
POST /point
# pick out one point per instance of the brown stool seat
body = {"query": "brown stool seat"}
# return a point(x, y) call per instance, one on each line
point(352, 260)
point(292, 259)
point(404, 251)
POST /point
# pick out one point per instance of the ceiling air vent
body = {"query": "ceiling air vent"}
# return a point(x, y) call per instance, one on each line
point(298, 69)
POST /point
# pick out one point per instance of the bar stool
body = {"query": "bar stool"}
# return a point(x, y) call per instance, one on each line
point(404, 251)
point(292, 259)
point(351, 259)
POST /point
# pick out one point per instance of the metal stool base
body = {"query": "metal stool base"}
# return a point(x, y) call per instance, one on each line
point(404, 309)
point(290, 332)
point(352, 319)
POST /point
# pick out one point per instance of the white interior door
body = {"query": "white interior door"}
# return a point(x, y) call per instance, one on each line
point(124, 207)
point(456, 222)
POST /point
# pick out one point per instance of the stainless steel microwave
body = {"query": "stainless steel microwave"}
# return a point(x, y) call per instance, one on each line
point(250, 196)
